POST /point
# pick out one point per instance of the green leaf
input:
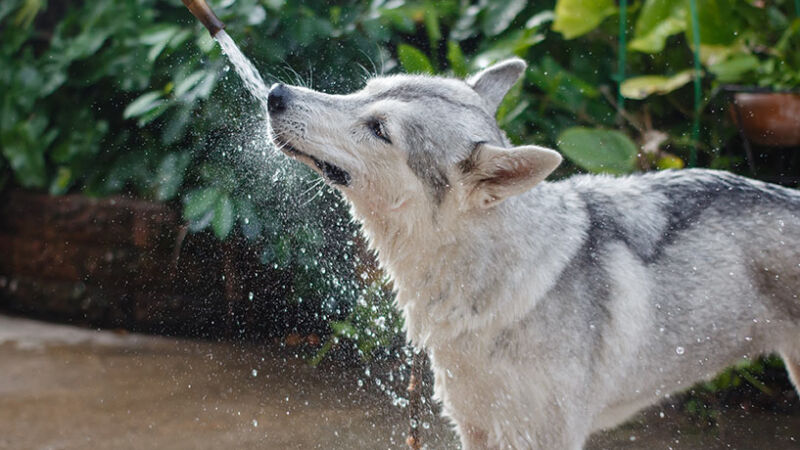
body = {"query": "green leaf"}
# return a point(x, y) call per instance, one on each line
point(223, 217)
point(511, 102)
point(465, 25)
point(7, 7)
point(562, 86)
point(27, 162)
point(669, 162)
point(24, 147)
point(638, 88)
point(200, 202)
point(62, 181)
point(432, 25)
point(189, 82)
point(540, 19)
point(142, 105)
point(577, 17)
point(659, 20)
point(718, 21)
point(499, 15)
point(734, 68)
point(282, 251)
point(413, 60)
point(158, 38)
point(250, 222)
point(29, 10)
point(344, 329)
point(598, 150)
point(456, 59)
point(169, 176)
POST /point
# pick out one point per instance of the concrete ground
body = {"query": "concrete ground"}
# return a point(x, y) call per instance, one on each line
point(69, 388)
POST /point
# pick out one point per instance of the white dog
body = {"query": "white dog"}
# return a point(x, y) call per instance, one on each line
point(549, 310)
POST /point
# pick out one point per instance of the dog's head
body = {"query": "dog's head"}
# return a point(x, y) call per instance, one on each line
point(411, 142)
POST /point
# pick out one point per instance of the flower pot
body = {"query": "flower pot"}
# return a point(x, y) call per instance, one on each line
point(768, 118)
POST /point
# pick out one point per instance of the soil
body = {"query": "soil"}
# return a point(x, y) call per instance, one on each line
point(63, 387)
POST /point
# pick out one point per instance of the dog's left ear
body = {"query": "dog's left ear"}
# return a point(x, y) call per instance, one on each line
point(493, 83)
point(492, 174)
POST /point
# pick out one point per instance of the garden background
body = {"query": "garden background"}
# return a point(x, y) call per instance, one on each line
point(132, 100)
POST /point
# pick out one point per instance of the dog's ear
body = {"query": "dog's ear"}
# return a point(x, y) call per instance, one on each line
point(492, 174)
point(493, 83)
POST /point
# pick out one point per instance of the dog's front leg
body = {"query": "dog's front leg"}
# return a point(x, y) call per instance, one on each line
point(547, 437)
point(473, 438)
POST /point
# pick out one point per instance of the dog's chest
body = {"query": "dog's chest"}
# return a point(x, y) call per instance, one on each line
point(469, 382)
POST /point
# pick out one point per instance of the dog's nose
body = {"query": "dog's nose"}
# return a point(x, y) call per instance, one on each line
point(278, 98)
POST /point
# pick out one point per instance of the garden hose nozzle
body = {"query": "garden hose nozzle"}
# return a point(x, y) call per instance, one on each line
point(201, 10)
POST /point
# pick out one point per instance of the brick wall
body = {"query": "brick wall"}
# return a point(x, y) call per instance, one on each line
point(111, 262)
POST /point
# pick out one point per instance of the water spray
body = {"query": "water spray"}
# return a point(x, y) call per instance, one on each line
point(203, 12)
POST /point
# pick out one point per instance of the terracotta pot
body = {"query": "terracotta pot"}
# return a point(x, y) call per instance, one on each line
point(768, 118)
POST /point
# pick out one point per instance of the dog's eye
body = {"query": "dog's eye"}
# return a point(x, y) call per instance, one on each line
point(376, 126)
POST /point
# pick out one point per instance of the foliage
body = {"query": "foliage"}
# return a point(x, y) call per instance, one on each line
point(740, 42)
point(702, 402)
point(373, 323)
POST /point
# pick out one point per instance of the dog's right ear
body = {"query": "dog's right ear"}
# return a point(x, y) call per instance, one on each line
point(492, 174)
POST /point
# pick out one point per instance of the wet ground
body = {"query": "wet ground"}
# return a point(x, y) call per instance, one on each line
point(69, 388)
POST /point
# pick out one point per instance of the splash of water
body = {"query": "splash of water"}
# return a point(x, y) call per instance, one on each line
point(244, 68)
point(259, 164)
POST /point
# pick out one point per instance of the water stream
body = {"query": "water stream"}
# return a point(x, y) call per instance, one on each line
point(244, 68)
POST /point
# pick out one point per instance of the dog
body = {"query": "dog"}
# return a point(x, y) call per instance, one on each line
point(549, 310)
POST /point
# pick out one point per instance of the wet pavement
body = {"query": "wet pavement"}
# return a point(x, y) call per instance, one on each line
point(69, 388)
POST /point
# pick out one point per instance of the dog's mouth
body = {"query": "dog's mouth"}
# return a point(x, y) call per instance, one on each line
point(332, 172)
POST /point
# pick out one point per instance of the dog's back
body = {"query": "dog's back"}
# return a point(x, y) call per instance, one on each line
point(679, 274)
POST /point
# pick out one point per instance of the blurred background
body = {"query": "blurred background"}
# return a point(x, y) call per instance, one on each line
point(138, 192)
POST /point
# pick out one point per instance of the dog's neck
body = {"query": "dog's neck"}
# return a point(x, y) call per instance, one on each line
point(450, 280)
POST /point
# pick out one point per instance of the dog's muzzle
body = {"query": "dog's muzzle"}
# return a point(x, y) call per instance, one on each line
point(278, 98)
point(277, 103)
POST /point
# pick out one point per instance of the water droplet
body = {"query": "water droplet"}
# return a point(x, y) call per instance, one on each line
point(254, 372)
point(680, 350)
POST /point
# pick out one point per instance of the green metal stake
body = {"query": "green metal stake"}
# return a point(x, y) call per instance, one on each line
point(623, 31)
point(697, 86)
point(797, 7)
